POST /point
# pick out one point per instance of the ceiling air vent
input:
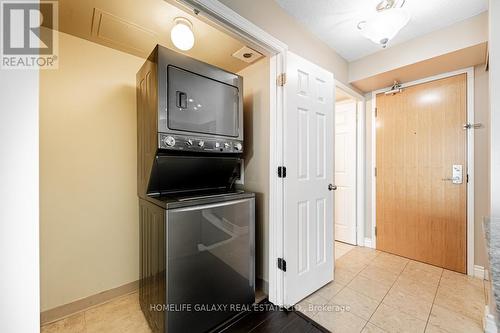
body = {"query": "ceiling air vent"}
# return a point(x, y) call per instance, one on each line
point(247, 54)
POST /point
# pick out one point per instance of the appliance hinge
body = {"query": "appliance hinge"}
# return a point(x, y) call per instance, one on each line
point(376, 112)
point(282, 172)
point(281, 80)
point(282, 264)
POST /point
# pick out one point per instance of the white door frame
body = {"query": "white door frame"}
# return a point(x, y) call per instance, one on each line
point(360, 162)
point(217, 12)
point(470, 158)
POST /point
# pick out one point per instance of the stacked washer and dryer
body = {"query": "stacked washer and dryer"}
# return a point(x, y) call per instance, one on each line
point(197, 249)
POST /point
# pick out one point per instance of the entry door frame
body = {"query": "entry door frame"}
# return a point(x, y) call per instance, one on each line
point(215, 12)
point(360, 161)
point(470, 158)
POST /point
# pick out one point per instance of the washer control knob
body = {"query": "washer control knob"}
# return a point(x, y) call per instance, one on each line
point(217, 145)
point(169, 141)
point(201, 143)
point(226, 145)
point(189, 142)
point(238, 146)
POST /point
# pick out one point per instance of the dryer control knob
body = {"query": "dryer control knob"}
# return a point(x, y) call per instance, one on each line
point(201, 143)
point(169, 141)
point(226, 145)
point(189, 142)
point(238, 146)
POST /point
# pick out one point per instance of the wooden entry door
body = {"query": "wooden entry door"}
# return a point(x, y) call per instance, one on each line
point(421, 213)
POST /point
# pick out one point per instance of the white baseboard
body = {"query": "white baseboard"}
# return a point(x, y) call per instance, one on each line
point(479, 272)
point(490, 325)
point(368, 242)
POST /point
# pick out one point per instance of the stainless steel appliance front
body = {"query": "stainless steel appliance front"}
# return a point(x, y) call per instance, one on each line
point(198, 107)
point(195, 261)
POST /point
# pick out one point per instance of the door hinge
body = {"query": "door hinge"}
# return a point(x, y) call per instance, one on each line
point(282, 172)
point(281, 80)
point(282, 264)
point(376, 112)
point(375, 171)
point(375, 230)
point(467, 178)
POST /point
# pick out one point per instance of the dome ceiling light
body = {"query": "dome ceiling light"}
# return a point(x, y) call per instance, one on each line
point(387, 20)
point(182, 34)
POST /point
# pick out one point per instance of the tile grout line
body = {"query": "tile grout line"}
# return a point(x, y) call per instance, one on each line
point(345, 286)
point(433, 300)
point(392, 285)
point(377, 254)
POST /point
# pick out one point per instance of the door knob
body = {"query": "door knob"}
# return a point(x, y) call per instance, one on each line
point(332, 187)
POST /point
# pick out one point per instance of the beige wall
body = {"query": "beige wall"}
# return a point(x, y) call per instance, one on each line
point(269, 16)
point(256, 112)
point(481, 162)
point(481, 170)
point(461, 35)
point(88, 202)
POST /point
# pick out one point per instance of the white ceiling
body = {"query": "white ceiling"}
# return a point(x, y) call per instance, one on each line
point(335, 21)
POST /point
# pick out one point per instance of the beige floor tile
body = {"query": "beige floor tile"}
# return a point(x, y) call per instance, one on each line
point(452, 322)
point(349, 263)
point(393, 320)
point(422, 272)
point(121, 316)
point(408, 303)
point(359, 304)
point(340, 252)
point(456, 280)
point(364, 253)
point(412, 264)
point(72, 324)
point(433, 329)
point(390, 262)
point(392, 258)
point(468, 302)
point(343, 247)
point(330, 290)
point(420, 289)
point(373, 289)
point(340, 322)
point(370, 328)
point(316, 299)
point(343, 276)
point(378, 273)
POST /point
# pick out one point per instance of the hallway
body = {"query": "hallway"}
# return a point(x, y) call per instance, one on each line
point(380, 292)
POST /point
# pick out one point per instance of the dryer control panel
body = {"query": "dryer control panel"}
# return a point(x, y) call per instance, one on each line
point(199, 144)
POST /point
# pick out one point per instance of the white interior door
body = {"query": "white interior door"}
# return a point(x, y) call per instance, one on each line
point(308, 156)
point(345, 172)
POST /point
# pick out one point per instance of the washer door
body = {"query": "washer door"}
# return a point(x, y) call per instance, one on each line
point(211, 263)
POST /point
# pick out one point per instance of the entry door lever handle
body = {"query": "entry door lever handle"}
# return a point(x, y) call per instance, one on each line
point(332, 187)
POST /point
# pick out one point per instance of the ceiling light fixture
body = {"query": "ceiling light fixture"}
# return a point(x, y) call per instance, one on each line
point(385, 23)
point(182, 34)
